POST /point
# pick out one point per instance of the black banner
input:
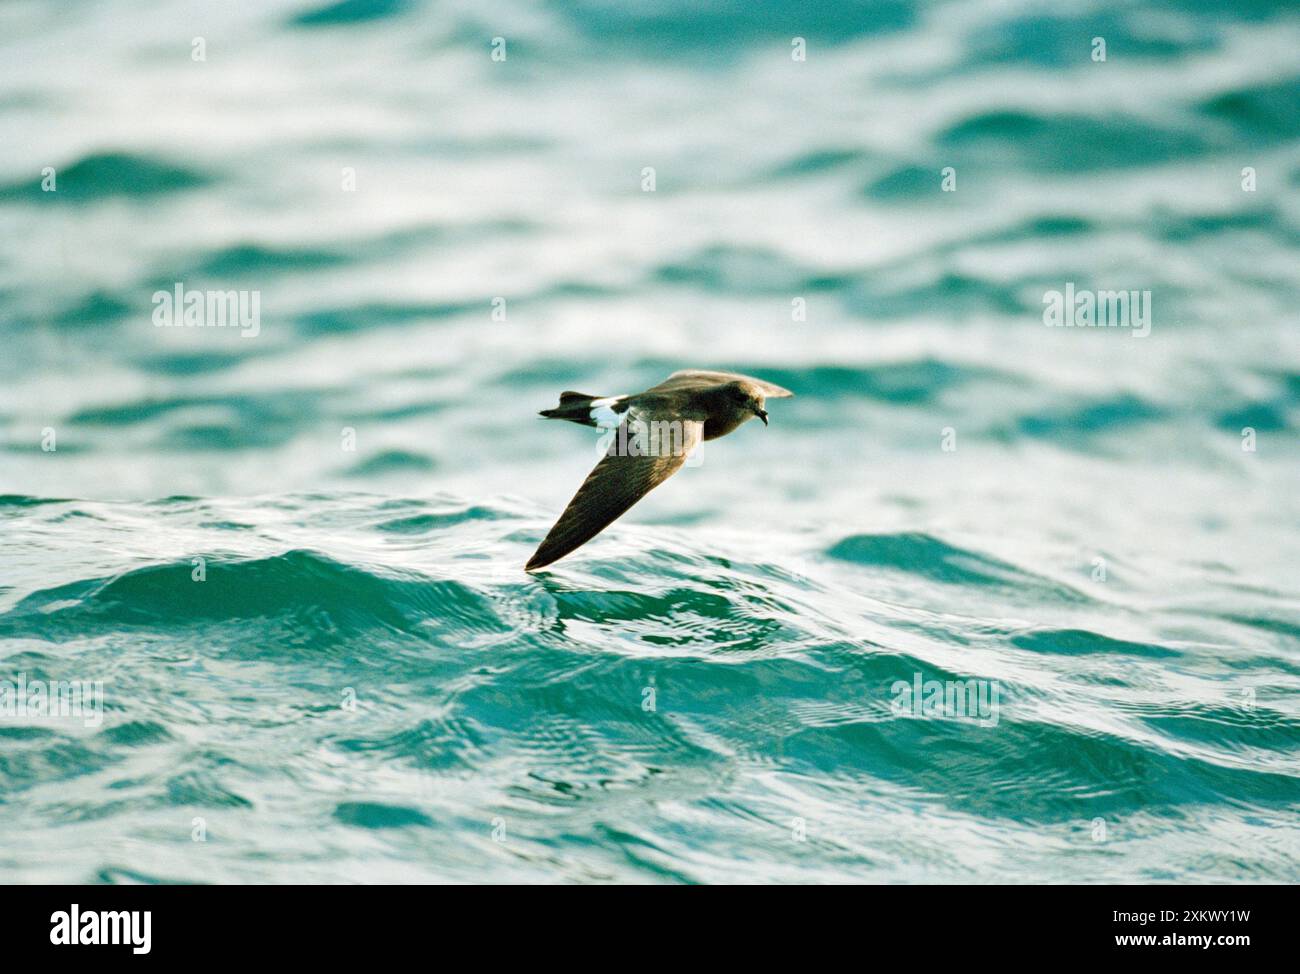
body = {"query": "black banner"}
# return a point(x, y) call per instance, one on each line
point(328, 924)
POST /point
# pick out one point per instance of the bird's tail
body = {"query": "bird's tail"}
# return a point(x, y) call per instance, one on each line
point(574, 406)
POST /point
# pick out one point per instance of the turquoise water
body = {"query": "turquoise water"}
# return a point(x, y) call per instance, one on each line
point(293, 560)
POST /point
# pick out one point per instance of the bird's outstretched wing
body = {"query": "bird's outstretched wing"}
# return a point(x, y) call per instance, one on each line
point(694, 379)
point(645, 451)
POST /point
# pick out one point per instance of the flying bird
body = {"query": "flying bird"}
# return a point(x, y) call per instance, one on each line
point(656, 432)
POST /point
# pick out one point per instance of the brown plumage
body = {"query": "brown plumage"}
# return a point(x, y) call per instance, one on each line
point(656, 431)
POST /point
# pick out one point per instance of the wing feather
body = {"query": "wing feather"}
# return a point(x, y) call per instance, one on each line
point(618, 481)
point(693, 379)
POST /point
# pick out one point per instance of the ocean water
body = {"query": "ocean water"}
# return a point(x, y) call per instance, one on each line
point(290, 557)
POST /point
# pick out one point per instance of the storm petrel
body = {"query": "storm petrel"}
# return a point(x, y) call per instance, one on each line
point(656, 431)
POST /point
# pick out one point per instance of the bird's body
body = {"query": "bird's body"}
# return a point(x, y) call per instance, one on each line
point(656, 431)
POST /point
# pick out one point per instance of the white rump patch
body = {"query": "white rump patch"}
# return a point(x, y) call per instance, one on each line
point(603, 415)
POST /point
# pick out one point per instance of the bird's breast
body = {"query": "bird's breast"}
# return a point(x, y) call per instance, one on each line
point(721, 424)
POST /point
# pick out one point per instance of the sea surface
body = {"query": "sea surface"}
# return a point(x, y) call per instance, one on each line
point(290, 557)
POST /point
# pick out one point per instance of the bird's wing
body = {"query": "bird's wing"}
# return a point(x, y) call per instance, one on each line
point(704, 379)
point(621, 478)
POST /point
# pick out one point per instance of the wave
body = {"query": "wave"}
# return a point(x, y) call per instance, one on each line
point(669, 668)
point(1259, 114)
point(928, 557)
point(109, 175)
point(343, 12)
point(1063, 142)
point(301, 600)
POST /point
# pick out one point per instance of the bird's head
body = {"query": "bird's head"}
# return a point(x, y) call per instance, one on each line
point(748, 398)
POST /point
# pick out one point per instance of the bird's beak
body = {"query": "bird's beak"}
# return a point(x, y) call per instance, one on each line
point(761, 413)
